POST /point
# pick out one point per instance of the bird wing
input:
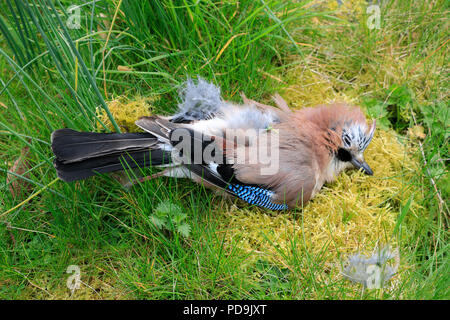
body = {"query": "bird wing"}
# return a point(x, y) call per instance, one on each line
point(215, 170)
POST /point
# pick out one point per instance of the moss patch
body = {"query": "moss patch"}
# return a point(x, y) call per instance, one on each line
point(125, 112)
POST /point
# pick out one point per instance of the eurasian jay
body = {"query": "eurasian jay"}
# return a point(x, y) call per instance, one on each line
point(308, 147)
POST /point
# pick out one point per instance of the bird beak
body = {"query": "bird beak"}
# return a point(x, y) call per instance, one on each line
point(361, 164)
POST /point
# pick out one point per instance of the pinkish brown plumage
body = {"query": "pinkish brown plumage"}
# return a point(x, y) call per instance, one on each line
point(309, 142)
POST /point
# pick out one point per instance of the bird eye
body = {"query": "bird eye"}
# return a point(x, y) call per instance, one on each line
point(344, 155)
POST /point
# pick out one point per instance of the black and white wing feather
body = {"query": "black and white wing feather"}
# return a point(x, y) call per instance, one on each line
point(218, 173)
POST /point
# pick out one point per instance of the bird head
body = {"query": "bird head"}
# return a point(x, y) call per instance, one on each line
point(355, 137)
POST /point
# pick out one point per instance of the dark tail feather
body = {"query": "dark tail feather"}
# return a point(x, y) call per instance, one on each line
point(115, 162)
point(72, 146)
point(80, 155)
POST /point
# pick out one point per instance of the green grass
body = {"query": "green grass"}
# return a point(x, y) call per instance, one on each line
point(54, 77)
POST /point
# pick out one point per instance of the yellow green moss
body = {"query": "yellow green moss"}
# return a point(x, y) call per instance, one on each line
point(125, 112)
point(352, 214)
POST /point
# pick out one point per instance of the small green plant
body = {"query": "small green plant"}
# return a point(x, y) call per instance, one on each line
point(436, 118)
point(272, 278)
point(171, 217)
point(393, 109)
point(376, 110)
point(399, 101)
